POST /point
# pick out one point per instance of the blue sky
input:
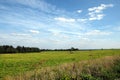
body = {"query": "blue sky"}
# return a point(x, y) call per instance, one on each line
point(53, 24)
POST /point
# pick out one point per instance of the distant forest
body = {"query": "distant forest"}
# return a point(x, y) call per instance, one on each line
point(18, 49)
point(22, 49)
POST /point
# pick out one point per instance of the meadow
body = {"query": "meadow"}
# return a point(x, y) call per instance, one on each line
point(15, 64)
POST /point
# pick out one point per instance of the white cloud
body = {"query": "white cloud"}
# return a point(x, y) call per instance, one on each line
point(62, 19)
point(37, 4)
point(55, 32)
point(34, 31)
point(40, 5)
point(65, 32)
point(100, 8)
point(97, 32)
point(96, 13)
point(21, 39)
point(82, 20)
point(84, 38)
point(79, 11)
point(19, 34)
point(62, 33)
point(96, 17)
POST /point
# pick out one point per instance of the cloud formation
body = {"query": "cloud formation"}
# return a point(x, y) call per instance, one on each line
point(35, 4)
point(100, 8)
point(62, 19)
point(20, 34)
point(39, 23)
point(97, 33)
point(34, 31)
point(79, 11)
point(96, 13)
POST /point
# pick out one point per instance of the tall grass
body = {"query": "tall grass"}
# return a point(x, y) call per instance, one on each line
point(107, 68)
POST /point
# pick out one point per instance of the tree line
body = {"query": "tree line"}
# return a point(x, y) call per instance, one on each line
point(18, 49)
point(22, 49)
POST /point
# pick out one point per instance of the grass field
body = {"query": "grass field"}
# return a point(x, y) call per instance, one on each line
point(13, 64)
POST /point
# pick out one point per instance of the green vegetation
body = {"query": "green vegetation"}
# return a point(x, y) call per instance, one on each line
point(10, 49)
point(14, 64)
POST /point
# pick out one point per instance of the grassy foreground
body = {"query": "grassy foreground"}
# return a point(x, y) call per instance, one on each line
point(106, 68)
point(14, 64)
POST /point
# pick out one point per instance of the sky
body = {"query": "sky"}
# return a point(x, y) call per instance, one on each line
point(54, 24)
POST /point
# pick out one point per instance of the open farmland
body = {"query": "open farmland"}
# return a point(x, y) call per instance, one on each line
point(14, 64)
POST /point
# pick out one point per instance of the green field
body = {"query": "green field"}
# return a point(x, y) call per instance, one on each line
point(13, 64)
